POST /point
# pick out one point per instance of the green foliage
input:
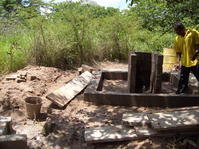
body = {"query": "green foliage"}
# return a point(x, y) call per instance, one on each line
point(162, 14)
point(75, 33)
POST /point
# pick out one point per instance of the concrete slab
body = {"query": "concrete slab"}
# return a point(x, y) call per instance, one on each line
point(66, 93)
point(13, 142)
point(175, 120)
point(135, 119)
point(123, 133)
point(109, 134)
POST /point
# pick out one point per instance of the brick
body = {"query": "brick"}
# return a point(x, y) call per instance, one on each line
point(13, 142)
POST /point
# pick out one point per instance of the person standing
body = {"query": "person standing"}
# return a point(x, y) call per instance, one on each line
point(186, 46)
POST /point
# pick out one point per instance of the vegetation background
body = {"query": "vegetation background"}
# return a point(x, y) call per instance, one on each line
point(76, 33)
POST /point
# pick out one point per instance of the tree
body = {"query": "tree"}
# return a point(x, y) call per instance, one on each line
point(164, 13)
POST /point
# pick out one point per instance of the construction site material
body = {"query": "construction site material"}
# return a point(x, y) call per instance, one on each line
point(156, 73)
point(65, 94)
point(124, 133)
point(135, 119)
point(131, 72)
point(33, 107)
point(163, 124)
point(143, 71)
point(175, 120)
point(13, 141)
point(109, 134)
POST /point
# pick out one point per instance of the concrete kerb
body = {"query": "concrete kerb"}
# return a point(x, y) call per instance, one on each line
point(93, 93)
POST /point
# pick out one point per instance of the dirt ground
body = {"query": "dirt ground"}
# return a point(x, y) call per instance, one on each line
point(66, 126)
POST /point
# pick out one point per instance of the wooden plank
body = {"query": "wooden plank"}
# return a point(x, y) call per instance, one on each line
point(109, 134)
point(175, 120)
point(135, 119)
point(66, 93)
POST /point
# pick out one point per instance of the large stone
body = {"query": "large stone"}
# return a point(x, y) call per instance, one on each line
point(66, 93)
point(13, 142)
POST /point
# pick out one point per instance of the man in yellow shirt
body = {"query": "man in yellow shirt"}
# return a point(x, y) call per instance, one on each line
point(187, 49)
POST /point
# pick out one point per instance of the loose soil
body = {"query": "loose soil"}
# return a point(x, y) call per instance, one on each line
point(64, 128)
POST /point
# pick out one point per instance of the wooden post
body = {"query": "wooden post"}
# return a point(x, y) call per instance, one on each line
point(131, 72)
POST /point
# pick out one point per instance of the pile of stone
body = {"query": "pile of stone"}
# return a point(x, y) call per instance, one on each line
point(8, 138)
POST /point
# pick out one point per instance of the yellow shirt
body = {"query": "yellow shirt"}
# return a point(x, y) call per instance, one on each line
point(186, 46)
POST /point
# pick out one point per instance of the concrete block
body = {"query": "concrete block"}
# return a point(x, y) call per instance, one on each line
point(66, 93)
point(136, 119)
point(13, 142)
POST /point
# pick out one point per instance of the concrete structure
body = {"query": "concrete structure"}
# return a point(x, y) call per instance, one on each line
point(93, 93)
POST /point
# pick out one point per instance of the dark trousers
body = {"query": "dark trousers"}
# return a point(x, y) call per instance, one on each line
point(184, 77)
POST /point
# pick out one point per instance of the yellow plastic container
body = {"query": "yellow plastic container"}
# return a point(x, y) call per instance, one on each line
point(169, 59)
